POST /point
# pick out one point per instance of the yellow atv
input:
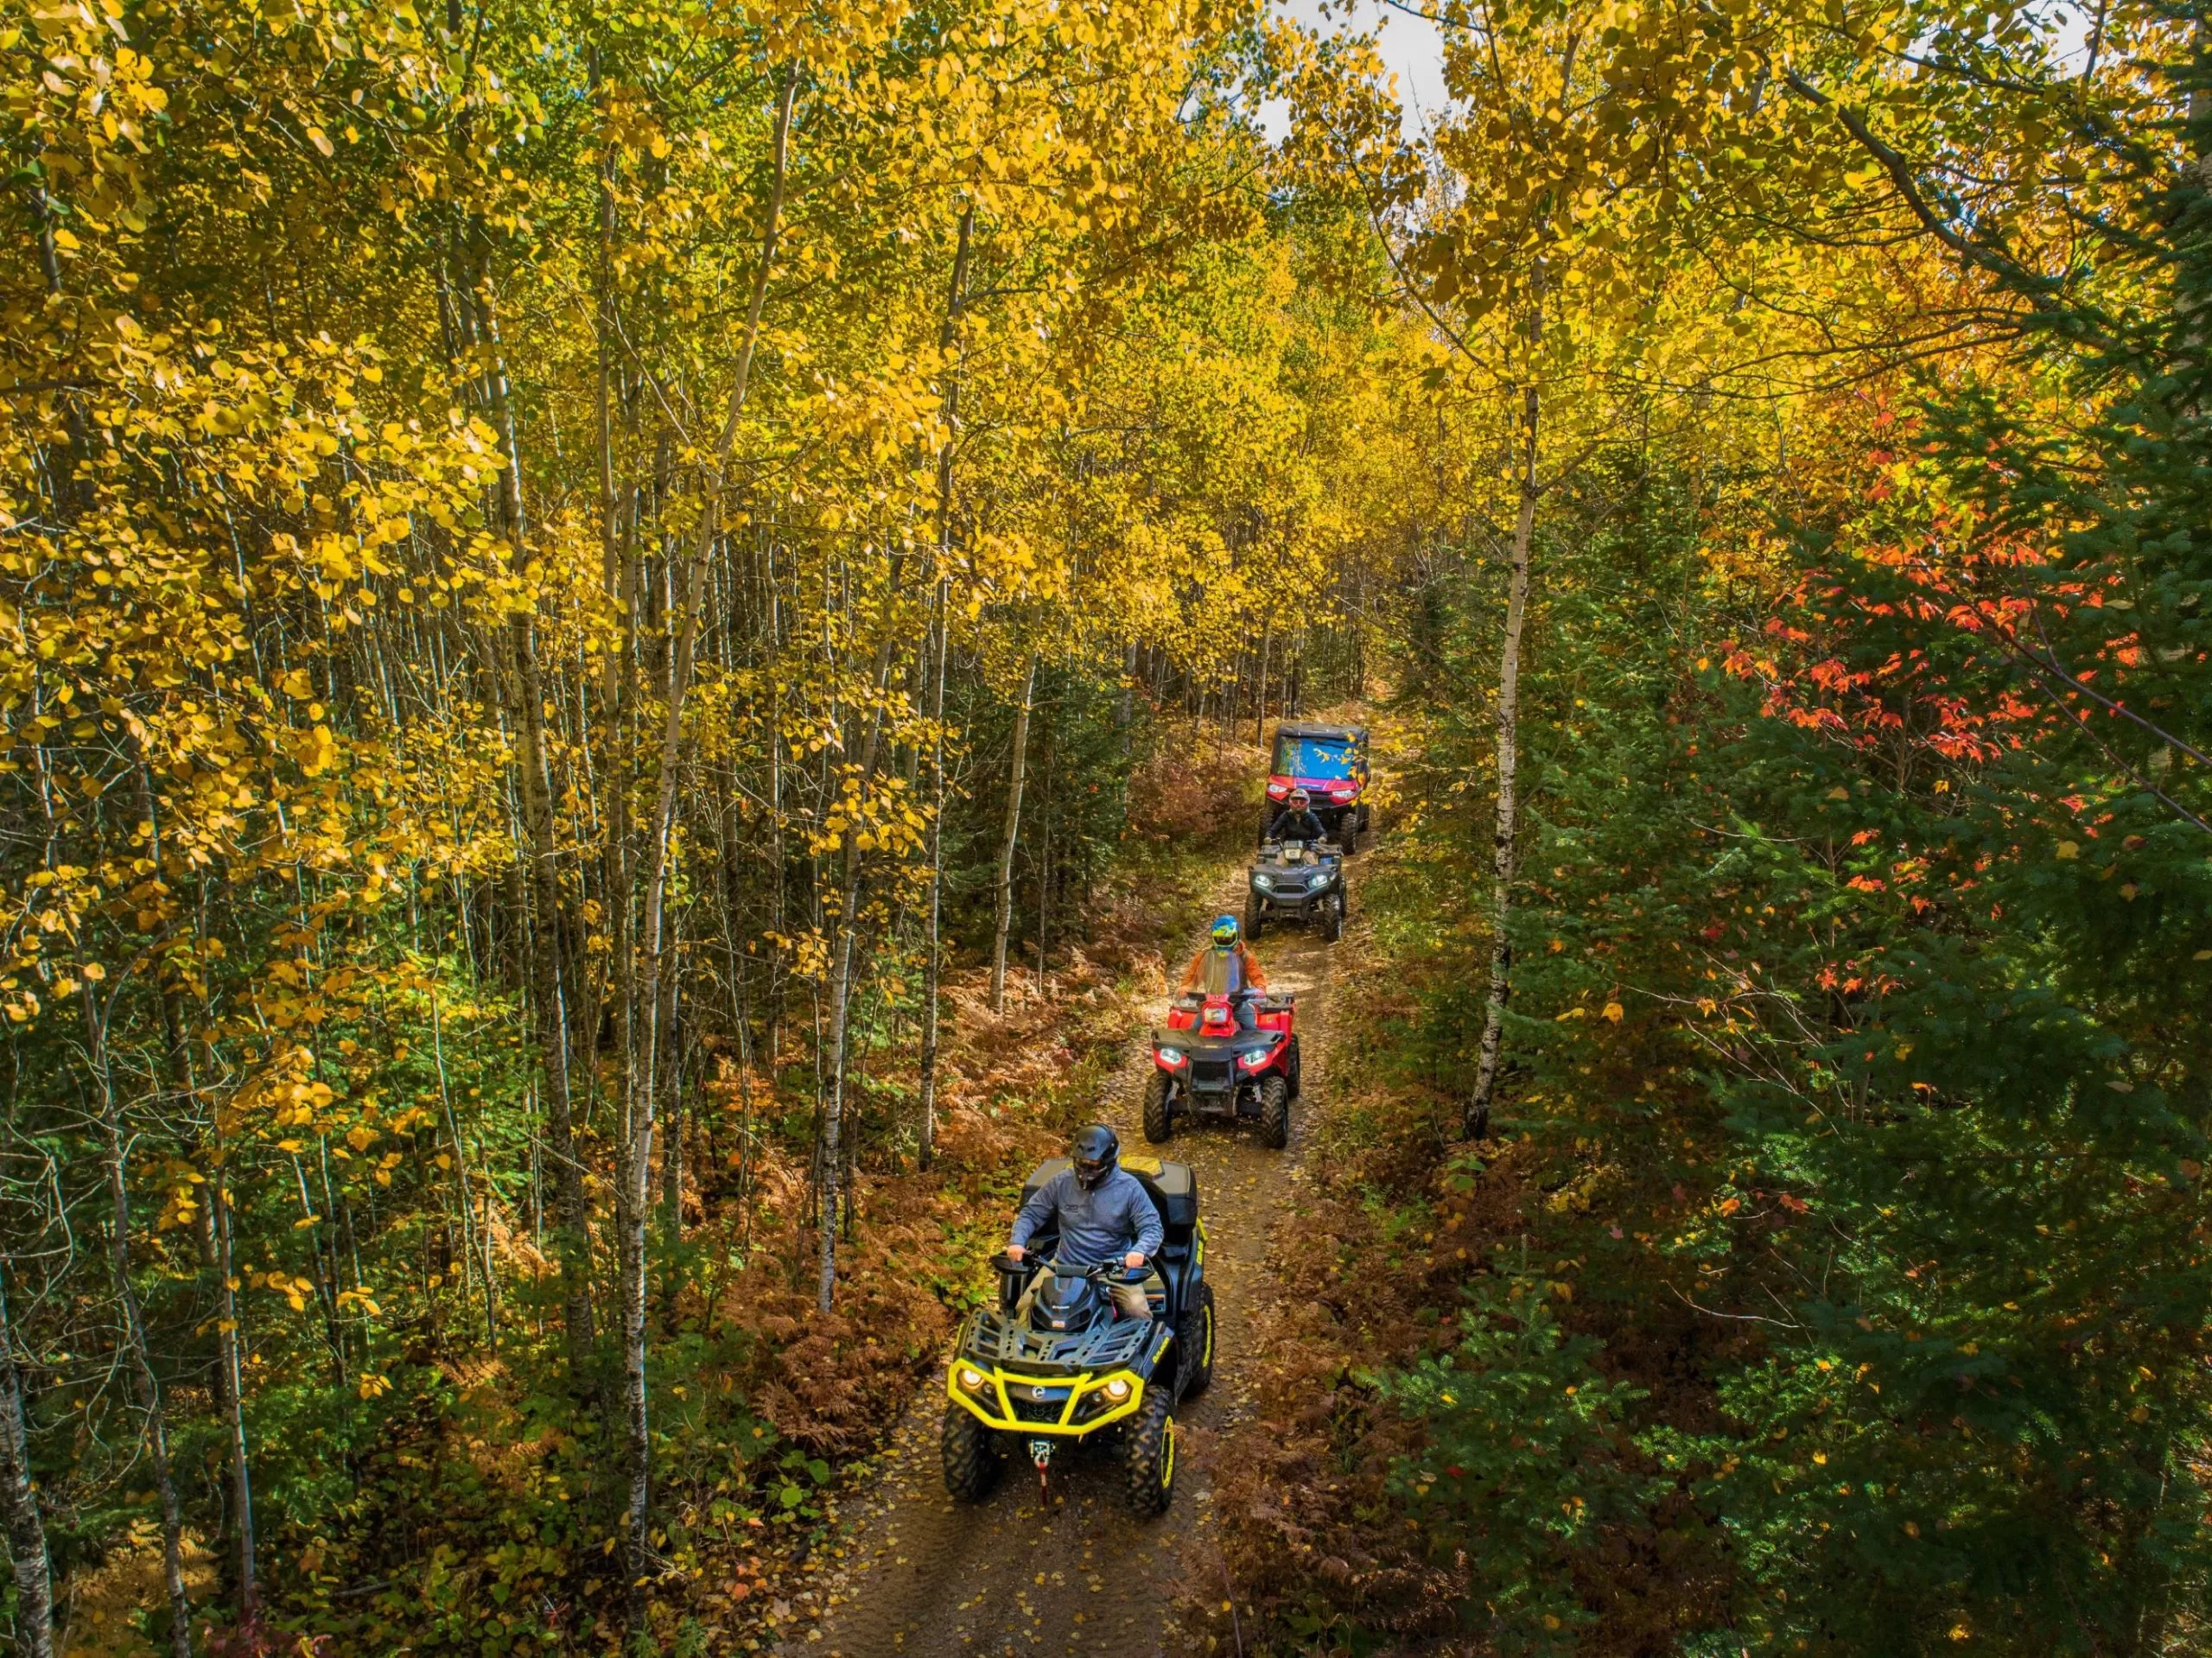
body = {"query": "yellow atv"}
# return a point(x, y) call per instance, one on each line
point(1073, 1368)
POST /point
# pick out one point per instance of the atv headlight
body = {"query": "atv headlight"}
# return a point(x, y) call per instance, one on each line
point(1264, 883)
point(1171, 1056)
point(1255, 1059)
point(971, 1379)
point(1117, 1388)
point(1322, 880)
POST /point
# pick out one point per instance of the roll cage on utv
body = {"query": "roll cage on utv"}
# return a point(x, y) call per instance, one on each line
point(1330, 763)
point(1073, 1369)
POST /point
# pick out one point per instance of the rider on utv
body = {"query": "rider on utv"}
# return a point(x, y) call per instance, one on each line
point(1245, 978)
point(1100, 1210)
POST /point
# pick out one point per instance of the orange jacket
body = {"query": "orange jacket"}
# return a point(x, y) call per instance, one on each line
point(1194, 976)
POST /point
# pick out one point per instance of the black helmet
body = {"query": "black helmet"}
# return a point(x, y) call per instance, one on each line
point(1095, 1152)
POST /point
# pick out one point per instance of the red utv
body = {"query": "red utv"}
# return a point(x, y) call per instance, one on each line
point(1330, 763)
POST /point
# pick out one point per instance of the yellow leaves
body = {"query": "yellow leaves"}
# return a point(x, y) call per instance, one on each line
point(296, 1291)
point(316, 751)
point(321, 141)
point(1614, 1012)
point(2068, 850)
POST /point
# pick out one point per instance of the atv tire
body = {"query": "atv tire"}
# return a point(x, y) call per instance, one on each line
point(1275, 1113)
point(973, 1456)
point(1255, 918)
point(1350, 839)
point(1333, 919)
point(1148, 1455)
point(1266, 822)
point(1194, 1343)
point(1158, 1121)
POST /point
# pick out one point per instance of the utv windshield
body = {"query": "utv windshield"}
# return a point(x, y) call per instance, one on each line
point(1314, 756)
point(1224, 973)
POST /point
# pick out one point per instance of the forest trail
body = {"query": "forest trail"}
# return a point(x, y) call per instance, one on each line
point(923, 1574)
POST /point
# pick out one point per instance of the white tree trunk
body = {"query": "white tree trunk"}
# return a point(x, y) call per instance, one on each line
point(19, 1508)
point(1013, 836)
point(1508, 731)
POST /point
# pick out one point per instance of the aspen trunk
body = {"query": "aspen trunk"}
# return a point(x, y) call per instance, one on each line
point(933, 946)
point(832, 1146)
point(19, 1508)
point(140, 1362)
point(671, 1156)
point(1125, 710)
point(233, 1372)
point(1006, 844)
point(830, 1152)
point(1477, 1120)
point(1259, 700)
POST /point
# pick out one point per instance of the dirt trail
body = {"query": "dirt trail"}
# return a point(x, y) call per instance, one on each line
point(923, 1575)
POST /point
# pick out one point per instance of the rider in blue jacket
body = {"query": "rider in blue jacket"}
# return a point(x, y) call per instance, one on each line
point(1100, 1210)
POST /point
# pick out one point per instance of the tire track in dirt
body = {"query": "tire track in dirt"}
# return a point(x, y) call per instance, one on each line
point(923, 1574)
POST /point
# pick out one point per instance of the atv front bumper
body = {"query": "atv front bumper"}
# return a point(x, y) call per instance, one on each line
point(1294, 906)
point(1211, 1072)
point(1298, 891)
point(1057, 1406)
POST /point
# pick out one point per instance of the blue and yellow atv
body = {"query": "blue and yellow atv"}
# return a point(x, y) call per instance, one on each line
point(1071, 1368)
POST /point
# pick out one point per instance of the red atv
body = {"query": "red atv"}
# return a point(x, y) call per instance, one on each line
point(1206, 1063)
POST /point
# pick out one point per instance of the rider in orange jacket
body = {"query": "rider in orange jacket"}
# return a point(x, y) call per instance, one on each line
point(1226, 964)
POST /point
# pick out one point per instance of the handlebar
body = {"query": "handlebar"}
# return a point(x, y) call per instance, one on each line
point(1006, 1263)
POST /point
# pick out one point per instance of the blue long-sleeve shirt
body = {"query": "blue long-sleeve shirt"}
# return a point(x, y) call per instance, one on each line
point(1111, 1219)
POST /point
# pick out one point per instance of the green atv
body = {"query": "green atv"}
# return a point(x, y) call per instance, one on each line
point(1073, 1369)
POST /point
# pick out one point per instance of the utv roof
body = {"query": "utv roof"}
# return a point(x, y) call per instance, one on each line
point(1326, 734)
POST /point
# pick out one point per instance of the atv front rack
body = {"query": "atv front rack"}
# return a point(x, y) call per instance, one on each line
point(1002, 1339)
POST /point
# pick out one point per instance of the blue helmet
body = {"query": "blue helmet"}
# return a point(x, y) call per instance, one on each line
point(1225, 932)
